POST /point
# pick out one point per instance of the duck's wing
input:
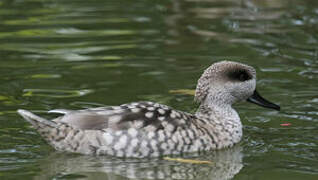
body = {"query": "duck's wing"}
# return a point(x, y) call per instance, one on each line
point(140, 115)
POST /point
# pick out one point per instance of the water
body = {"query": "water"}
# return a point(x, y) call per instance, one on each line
point(78, 54)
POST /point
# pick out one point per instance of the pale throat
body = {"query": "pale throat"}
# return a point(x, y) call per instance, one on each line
point(213, 108)
point(222, 116)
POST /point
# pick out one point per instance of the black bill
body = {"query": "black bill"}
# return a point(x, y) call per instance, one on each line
point(259, 100)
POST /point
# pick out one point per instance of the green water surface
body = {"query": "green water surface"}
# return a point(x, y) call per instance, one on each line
point(78, 54)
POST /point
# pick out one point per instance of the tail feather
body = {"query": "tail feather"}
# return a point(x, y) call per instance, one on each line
point(59, 135)
point(54, 133)
point(35, 120)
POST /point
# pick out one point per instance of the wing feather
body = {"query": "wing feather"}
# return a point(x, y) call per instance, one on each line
point(147, 115)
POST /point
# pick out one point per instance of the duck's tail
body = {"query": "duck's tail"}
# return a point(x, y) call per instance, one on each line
point(54, 133)
point(37, 121)
point(59, 135)
point(49, 130)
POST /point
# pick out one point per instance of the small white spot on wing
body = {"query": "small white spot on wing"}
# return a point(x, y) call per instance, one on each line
point(150, 128)
point(165, 107)
point(149, 114)
point(177, 114)
point(173, 114)
point(151, 108)
point(161, 111)
point(132, 132)
point(170, 127)
point(135, 110)
point(150, 103)
point(135, 104)
point(151, 135)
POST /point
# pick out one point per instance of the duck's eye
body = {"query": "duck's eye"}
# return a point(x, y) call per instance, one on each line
point(243, 76)
point(239, 75)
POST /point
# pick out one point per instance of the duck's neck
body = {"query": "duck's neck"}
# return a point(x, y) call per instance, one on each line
point(224, 122)
point(218, 111)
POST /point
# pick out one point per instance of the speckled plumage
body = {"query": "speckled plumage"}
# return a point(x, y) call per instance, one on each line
point(143, 129)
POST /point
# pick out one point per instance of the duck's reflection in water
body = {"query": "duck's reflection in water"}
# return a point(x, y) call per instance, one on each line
point(225, 165)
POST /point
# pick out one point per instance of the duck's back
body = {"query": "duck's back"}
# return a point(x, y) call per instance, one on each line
point(146, 116)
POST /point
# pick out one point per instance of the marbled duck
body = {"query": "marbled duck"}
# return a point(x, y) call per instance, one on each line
point(141, 129)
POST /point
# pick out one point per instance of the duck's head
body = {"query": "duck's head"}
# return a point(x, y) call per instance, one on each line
point(227, 82)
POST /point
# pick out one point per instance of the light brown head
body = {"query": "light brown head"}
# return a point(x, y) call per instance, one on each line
point(227, 82)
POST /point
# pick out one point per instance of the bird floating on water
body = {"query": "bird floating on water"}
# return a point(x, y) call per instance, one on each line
point(149, 129)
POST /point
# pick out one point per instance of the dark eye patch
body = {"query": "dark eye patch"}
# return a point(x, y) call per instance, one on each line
point(239, 75)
